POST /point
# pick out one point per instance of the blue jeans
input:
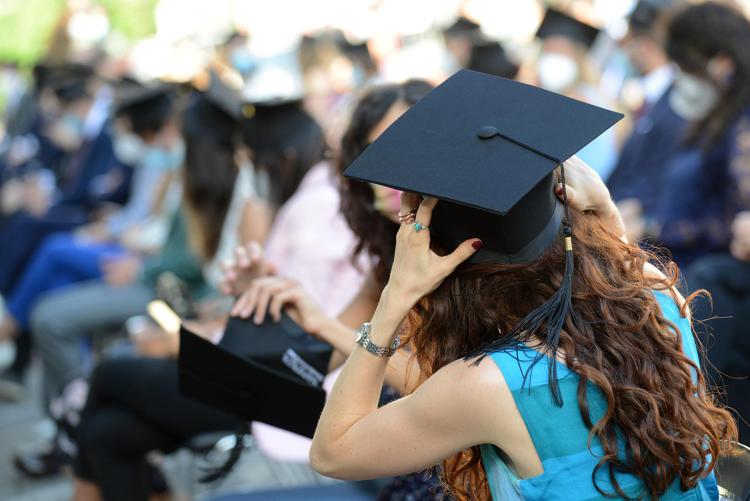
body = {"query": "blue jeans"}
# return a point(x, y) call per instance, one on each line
point(61, 260)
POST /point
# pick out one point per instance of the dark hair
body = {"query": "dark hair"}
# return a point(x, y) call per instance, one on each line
point(661, 424)
point(148, 115)
point(695, 35)
point(376, 234)
point(209, 172)
point(491, 58)
point(285, 142)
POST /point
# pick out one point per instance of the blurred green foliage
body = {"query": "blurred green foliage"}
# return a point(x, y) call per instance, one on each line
point(27, 25)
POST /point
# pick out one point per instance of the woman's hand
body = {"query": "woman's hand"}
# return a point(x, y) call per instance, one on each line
point(417, 270)
point(269, 295)
point(248, 264)
point(587, 192)
point(740, 245)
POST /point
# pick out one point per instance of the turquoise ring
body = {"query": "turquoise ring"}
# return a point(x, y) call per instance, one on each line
point(419, 227)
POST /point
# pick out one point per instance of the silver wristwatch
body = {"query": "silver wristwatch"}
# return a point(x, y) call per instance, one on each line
point(363, 339)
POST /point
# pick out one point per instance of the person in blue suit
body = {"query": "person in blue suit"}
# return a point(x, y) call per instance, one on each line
point(658, 131)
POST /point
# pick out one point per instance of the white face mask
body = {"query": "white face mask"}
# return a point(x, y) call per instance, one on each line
point(692, 97)
point(129, 148)
point(556, 72)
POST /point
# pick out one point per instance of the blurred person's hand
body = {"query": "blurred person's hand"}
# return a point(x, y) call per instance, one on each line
point(249, 263)
point(417, 270)
point(11, 196)
point(93, 232)
point(121, 270)
point(631, 212)
point(740, 245)
point(587, 192)
point(153, 341)
point(37, 198)
point(269, 295)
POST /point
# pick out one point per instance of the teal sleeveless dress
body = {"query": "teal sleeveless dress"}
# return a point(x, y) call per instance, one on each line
point(560, 436)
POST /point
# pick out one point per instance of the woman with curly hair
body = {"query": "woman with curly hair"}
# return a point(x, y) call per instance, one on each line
point(555, 361)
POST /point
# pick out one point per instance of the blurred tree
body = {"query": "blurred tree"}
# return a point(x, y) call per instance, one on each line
point(25, 27)
point(28, 27)
point(133, 19)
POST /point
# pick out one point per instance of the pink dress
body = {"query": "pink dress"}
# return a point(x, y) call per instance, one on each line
point(311, 243)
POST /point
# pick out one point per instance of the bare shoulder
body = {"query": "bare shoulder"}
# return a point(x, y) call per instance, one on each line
point(477, 392)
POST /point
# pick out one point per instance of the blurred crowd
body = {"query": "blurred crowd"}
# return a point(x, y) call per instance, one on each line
point(116, 190)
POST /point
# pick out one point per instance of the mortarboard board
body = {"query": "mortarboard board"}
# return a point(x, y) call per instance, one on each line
point(488, 147)
point(278, 383)
point(213, 113)
point(646, 13)
point(557, 23)
point(483, 142)
point(462, 26)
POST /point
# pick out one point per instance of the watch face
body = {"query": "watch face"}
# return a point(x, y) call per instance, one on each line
point(360, 335)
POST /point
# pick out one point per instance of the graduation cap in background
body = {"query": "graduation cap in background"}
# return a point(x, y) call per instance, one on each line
point(645, 14)
point(70, 81)
point(557, 23)
point(462, 26)
point(214, 113)
point(130, 93)
point(272, 373)
point(488, 148)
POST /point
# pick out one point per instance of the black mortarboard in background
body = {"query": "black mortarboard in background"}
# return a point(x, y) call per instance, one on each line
point(147, 105)
point(488, 147)
point(462, 26)
point(490, 57)
point(70, 81)
point(214, 113)
point(645, 14)
point(557, 23)
point(275, 380)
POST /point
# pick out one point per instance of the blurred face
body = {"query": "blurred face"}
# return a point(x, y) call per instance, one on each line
point(557, 66)
point(387, 200)
point(163, 150)
point(67, 129)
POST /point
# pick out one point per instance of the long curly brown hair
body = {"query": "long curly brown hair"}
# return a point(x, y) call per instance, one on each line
point(617, 339)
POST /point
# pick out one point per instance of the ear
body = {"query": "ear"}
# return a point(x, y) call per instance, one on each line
point(721, 68)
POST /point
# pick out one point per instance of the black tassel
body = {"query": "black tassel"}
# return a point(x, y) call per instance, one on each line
point(553, 313)
point(212, 475)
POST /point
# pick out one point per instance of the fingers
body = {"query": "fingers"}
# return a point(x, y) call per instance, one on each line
point(280, 299)
point(254, 251)
point(463, 252)
point(409, 201)
point(424, 212)
point(255, 301)
point(241, 258)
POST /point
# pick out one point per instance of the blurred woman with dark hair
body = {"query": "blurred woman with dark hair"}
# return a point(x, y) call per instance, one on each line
point(705, 203)
point(134, 405)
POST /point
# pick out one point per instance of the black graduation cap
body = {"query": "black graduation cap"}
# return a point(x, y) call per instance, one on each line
point(646, 13)
point(214, 113)
point(462, 26)
point(488, 147)
point(130, 93)
point(270, 373)
point(484, 142)
point(557, 23)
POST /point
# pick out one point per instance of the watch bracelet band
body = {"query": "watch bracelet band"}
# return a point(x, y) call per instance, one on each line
point(379, 351)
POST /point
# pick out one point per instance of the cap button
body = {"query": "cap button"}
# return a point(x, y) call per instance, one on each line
point(487, 132)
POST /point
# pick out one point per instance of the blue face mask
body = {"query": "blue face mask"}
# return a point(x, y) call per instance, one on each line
point(242, 61)
point(165, 159)
point(72, 124)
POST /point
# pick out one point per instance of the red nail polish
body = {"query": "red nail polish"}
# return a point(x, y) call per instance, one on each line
point(477, 244)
